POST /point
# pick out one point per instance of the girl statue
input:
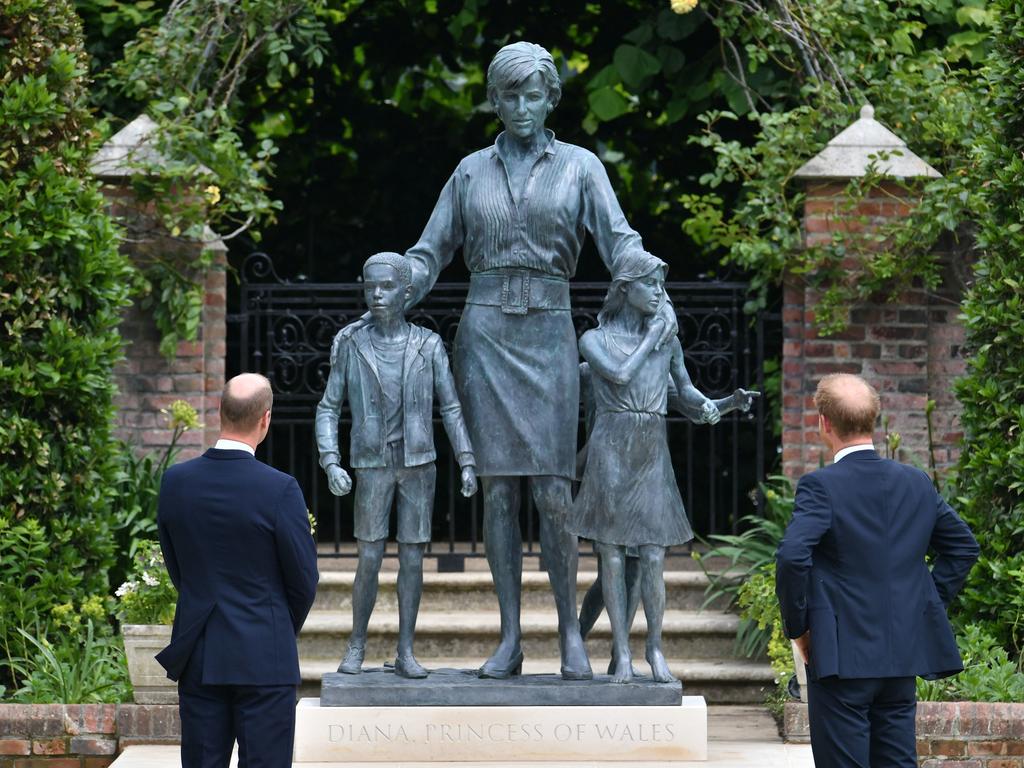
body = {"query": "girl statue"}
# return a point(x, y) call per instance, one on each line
point(628, 495)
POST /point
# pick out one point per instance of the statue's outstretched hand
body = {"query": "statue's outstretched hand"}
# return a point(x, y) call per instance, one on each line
point(709, 413)
point(468, 481)
point(744, 399)
point(338, 480)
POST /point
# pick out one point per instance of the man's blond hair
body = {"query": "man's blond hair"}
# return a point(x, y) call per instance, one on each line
point(849, 403)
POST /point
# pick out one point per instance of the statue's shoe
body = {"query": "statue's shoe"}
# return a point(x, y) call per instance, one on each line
point(496, 669)
point(352, 664)
point(407, 666)
point(575, 664)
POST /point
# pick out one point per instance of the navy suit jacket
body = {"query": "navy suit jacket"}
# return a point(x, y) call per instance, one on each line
point(236, 540)
point(851, 569)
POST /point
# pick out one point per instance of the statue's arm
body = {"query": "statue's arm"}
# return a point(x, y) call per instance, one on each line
point(606, 223)
point(605, 366)
point(451, 408)
point(603, 216)
point(442, 236)
point(687, 399)
point(329, 410)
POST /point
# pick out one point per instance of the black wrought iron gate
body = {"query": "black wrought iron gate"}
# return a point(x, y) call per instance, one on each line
point(284, 330)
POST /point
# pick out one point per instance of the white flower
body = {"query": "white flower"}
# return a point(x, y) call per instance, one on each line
point(148, 580)
point(124, 589)
point(683, 6)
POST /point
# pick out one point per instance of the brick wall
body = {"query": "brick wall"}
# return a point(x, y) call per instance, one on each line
point(909, 349)
point(147, 381)
point(950, 734)
point(80, 735)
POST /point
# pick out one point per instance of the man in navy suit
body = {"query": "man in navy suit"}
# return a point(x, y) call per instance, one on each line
point(236, 539)
point(857, 596)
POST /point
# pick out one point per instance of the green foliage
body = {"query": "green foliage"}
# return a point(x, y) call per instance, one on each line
point(760, 608)
point(139, 489)
point(81, 667)
point(62, 286)
point(148, 597)
point(749, 554)
point(991, 468)
point(914, 62)
point(988, 674)
point(185, 72)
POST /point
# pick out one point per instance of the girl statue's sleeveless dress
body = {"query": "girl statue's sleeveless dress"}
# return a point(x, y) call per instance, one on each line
point(629, 494)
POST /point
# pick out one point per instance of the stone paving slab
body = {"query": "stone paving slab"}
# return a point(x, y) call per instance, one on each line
point(721, 754)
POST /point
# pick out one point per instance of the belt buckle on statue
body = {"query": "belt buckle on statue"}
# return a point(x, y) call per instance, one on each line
point(518, 303)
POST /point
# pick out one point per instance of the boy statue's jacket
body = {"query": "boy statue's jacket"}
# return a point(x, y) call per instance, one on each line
point(424, 371)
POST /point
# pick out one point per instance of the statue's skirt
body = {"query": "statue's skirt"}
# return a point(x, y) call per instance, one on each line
point(518, 380)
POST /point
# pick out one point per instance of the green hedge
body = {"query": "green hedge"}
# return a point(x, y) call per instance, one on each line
point(991, 470)
point(62, 286)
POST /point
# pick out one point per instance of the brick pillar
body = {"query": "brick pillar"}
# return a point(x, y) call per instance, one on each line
point(148, 381)
point(909, 349)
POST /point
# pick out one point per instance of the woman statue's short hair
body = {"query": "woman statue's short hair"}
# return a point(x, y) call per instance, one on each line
point(515, 63)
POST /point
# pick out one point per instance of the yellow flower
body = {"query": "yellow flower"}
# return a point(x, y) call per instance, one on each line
point(683, 6)
point(181, 416)
point(212, 194)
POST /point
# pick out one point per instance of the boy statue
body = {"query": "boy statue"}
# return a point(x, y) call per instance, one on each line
point(390, 370)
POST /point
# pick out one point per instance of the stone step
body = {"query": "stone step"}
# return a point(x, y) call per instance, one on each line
point(468, 634)
point(474, 591)
point(718, 681)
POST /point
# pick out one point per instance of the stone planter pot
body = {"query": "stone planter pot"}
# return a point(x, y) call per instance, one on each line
point(149, 680)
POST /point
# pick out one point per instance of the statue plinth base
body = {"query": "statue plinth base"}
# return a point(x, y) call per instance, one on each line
point(461, 687)
point(388, 721)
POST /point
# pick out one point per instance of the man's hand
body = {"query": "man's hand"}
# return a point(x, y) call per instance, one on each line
point(668, 314)
point(468, 481)
point(744, 399)
point(709, 413)
point(803, 646)
point(338, 480)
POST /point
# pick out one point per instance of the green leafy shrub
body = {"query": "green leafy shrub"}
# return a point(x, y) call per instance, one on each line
point(749, 554)
point(991, 468)
point(81, 668)
point(988, 674)
point(760, 607)
point(62, 286)
point(148, 597)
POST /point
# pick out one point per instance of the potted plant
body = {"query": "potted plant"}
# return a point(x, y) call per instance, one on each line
point(146, 609)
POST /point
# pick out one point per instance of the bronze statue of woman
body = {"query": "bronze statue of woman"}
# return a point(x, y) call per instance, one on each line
point(519, 211)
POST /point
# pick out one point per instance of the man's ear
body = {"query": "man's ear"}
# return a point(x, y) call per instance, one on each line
point(408, 291)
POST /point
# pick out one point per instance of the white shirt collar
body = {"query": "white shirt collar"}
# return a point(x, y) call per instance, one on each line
point(234, 445)
point(852, 449)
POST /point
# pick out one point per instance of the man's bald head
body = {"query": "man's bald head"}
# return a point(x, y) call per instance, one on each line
point(849, 403)
point(245, 399)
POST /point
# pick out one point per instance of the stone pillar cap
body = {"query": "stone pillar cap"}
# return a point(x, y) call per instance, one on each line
point(863, 145)
point(126, 151)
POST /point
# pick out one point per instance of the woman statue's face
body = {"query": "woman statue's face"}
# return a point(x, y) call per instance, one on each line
point(524, 108)
point(646, 294)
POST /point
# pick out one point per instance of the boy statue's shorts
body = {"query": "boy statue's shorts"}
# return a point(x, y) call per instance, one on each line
point(375, 492)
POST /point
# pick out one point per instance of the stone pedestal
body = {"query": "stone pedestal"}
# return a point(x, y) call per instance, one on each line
point(506, 735)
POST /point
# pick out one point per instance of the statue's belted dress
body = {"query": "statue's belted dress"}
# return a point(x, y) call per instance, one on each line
point(629, 494)
point(515, 355)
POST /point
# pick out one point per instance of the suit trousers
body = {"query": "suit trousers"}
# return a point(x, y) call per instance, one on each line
point(260, 717)
point(863, 722)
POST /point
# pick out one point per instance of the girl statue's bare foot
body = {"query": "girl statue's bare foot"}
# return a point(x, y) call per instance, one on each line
point(659, 667)
point(622, 669)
